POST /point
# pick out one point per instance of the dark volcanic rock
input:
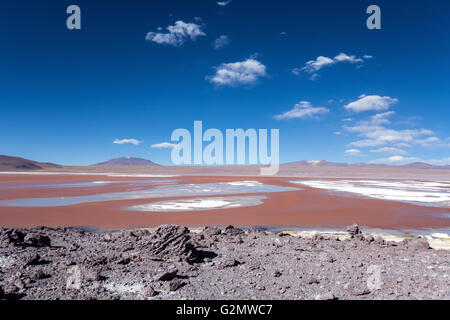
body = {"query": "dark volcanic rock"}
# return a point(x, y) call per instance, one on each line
point(228, 262)
point(230, 230)
point(37, 240)
point(166, 275)
point(34, 260)
point(13, 236)
point(211, 231)
point(149, 292)
point(170, 241)
point(310, 280)
point(176, 284)
point(354, 230)
point(419, 244)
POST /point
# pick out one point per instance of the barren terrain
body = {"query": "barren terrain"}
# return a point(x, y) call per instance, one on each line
point(173, 263)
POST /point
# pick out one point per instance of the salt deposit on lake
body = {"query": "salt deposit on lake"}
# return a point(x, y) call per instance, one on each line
point(417, 192)
point(198, 204)
point(219, 188)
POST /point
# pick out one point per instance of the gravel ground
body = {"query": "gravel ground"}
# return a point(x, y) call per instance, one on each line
point(174, 263)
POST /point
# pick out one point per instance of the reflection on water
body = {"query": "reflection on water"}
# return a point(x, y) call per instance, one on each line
point(141, 182)
point(221, 188)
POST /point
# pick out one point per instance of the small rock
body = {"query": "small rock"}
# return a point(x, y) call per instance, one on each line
point(15, 237)
point(354, 230)
point(379, 240)
point(230, 230)
point(19, 284)
point(176, 284)
point(149, 292)
point(91, 276)
point(37, 240)
point(325, 296)
point(166, 275)
point(211, 231)
point(124, 261)
point(419, 244)
point(39, 275)
point(10, 288)
point(310, 280)
point(228, 263)
point(34, 260)
point(359, 291)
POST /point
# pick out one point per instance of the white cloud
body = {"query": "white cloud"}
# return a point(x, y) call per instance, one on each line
point(402, 145)
point(366, 143)
point(177, 34)
point(313, 66)
point(439, 162)
point(314, 77)
point(223, 3)
point(381, 118)
point(397, 160)
point(296, 71)
point(127, 141)
point(430, 141)
point(163, 145)
point(375, 133)
point(390, 150)
point(337, 133)
point(373, 102)
point(238, 73)
point(221, 41)
point(317, 64)
point(354, 153)
point(378, 135)
point(342, 57)
point(366, 56)
point(302, 110)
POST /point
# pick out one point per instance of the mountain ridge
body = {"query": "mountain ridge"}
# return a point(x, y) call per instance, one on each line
point(18, 163)
point(126, 161)
point(324, 163)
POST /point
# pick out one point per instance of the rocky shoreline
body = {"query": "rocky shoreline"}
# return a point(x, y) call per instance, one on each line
point(174, 263)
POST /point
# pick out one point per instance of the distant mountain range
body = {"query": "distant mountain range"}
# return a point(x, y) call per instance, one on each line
point(324, 163)
point(17, 163)
point(8, 163)
point(127, 161)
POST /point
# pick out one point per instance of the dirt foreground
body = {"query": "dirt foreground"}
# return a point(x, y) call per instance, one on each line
point(175, 263)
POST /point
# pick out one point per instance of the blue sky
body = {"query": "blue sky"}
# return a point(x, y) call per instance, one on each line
point(374, 96)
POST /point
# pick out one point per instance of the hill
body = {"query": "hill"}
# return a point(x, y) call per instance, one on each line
point(16, 163)
point(127, 161)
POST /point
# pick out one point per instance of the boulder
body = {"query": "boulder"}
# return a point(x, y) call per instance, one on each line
point(172, 241)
